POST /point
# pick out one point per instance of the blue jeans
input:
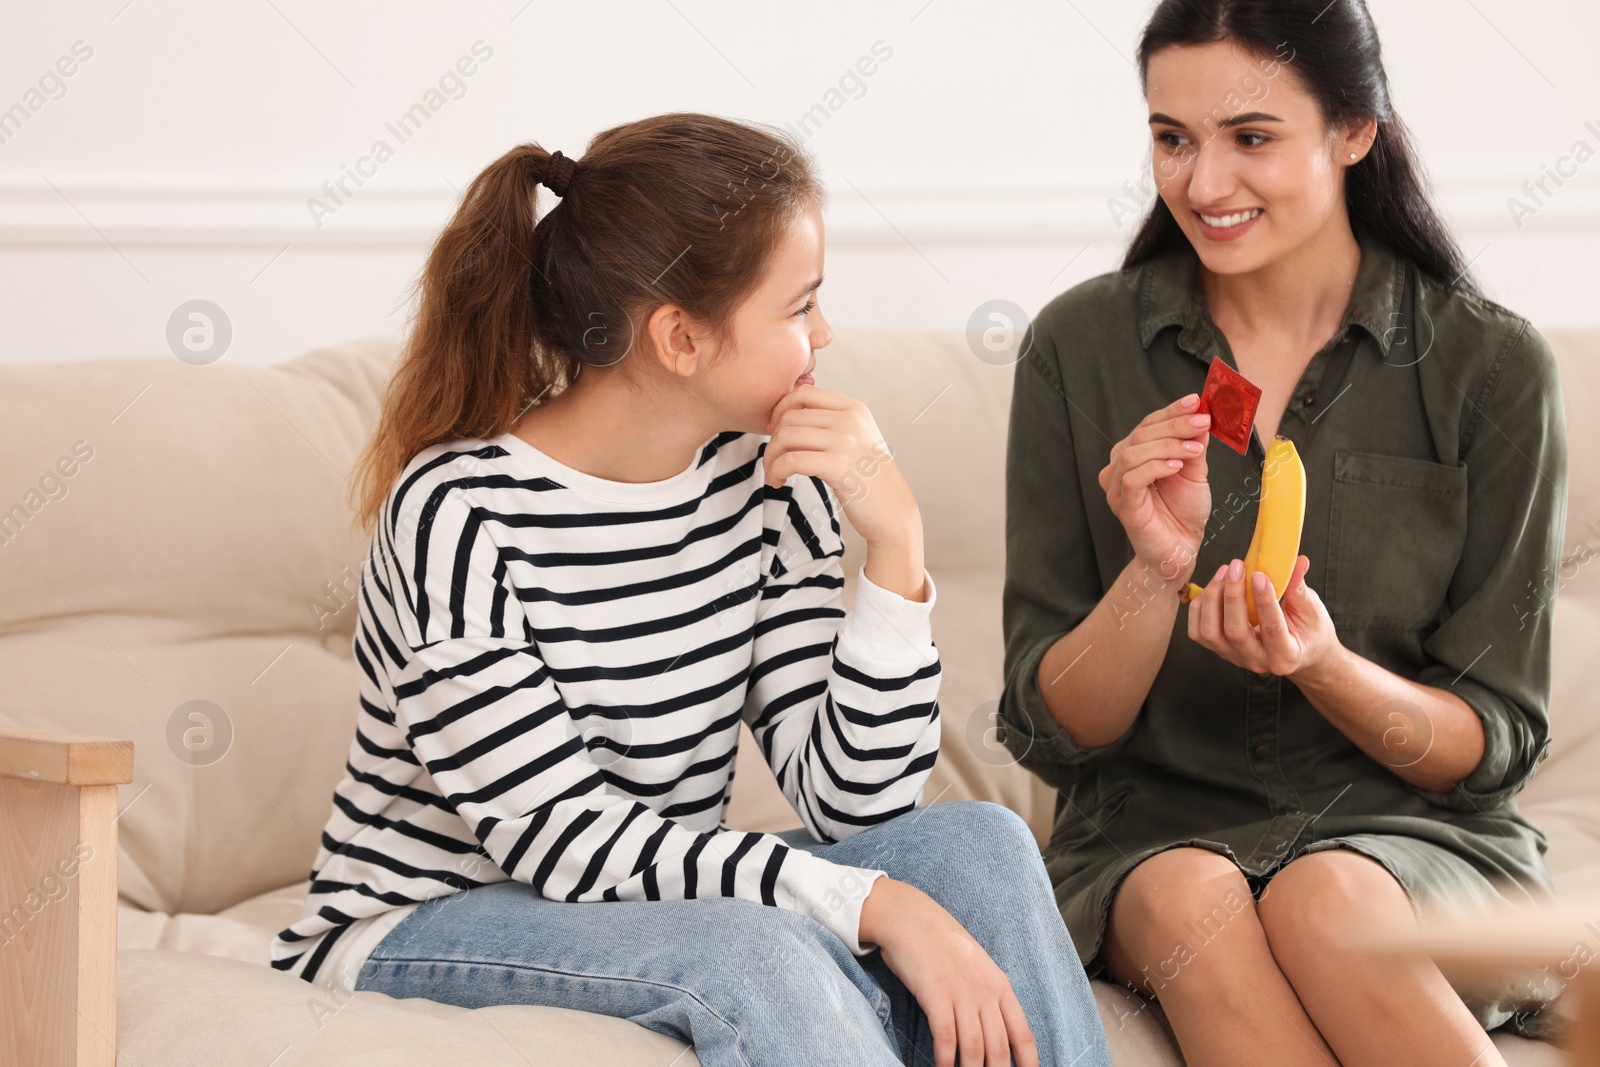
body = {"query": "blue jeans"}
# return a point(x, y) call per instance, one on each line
point(751, 984)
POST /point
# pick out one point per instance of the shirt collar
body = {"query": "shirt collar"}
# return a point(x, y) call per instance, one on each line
point(1169, 295)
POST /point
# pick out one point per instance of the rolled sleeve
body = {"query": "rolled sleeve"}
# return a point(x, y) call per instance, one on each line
point(1052, 580)
point(1032, 735)
point(1493, 649)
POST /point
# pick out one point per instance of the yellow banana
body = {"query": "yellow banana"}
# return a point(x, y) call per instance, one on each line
point(1275, 544)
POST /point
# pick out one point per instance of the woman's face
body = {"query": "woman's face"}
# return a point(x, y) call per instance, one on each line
point(1242, 157)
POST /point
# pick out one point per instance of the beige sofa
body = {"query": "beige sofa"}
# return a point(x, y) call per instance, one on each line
point(198, 560)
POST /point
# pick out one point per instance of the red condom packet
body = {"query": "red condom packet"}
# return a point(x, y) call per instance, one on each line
point(1231, 401)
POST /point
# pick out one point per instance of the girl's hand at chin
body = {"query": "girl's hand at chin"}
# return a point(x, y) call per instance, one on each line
point(817, 432)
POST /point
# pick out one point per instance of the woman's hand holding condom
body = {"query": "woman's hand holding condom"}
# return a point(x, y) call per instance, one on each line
point(1156, 485)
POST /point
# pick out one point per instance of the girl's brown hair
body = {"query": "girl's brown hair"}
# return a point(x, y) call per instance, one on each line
point(681, 208)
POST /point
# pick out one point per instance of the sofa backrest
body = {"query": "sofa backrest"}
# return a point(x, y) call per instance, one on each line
point(180, 569)
point(182, 576)
point(1563, 799)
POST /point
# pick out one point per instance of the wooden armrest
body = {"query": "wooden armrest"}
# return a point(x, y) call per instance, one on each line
point(64, 759)
point(58, 896)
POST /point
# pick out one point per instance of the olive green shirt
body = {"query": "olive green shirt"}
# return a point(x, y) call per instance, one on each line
point(1434, 445)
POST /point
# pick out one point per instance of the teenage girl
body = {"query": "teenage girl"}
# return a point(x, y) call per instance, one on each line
point(607, 495)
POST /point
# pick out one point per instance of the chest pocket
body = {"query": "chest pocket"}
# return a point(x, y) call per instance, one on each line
point(1398, 526)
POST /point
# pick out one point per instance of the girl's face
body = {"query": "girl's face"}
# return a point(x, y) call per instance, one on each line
point(1242, 157)
point(774, 332)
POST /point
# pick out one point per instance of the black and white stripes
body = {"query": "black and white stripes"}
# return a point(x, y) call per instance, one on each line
point(553, 668)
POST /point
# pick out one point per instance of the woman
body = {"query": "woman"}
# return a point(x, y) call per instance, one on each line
point(1237, 801)
point(573, 601)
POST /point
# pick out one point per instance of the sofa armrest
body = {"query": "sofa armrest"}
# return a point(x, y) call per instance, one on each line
point(58, 896)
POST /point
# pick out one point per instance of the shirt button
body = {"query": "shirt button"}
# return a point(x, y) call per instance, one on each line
point(1308, 401)
point(1262, 752)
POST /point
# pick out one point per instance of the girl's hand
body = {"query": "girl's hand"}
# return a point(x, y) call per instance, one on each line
point(1292, 637)
point(818, 432)
point(1163, 507)
point(965, 995)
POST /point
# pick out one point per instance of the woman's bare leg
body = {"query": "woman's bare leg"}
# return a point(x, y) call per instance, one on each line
point(1184, 928)
point(1370, 1010)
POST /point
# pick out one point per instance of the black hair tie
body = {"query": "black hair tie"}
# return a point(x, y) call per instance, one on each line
point(560, 175)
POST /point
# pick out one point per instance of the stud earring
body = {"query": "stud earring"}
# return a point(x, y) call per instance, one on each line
point(1352, 155)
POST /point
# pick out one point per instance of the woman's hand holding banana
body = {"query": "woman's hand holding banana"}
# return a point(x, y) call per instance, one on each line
point(1238, 616)
point(1292, 637)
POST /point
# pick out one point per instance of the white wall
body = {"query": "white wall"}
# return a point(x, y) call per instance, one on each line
point(977, 161)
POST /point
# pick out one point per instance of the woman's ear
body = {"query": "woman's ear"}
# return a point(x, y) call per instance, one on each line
point(1357, 140)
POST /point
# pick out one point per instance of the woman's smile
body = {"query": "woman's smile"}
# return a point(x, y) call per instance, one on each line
point(1227, 227)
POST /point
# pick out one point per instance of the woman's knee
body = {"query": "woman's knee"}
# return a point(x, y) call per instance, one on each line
point(1312, 906)
point(1171, 910)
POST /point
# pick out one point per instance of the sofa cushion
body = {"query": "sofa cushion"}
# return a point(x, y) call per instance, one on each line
point(182, 978)
point(182, 1009)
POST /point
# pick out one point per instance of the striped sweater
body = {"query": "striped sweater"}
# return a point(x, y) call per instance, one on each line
point(553, 668)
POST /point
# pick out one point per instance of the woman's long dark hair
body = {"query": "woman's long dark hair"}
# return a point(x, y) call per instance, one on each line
point(1337, 59)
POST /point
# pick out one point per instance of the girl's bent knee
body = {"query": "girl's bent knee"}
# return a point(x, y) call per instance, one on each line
point(979, 825)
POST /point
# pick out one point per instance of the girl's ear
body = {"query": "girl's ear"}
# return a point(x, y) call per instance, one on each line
point(673, 340)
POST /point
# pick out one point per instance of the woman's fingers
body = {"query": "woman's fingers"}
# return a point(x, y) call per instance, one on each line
point(1235, 614)
point(1193, 621)
point(1184, 427)
point(1173, 431)
point(1298, 600)
point(1162, 433)
point(1219, 618)
point(1297, 577)
point(1147, 474)
point(1274, 630)
point(1211, 609)
point(1163, 448)
point(1182, 407)
point(1024, 1050)
point(1140, 465)
point(1175, 420)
